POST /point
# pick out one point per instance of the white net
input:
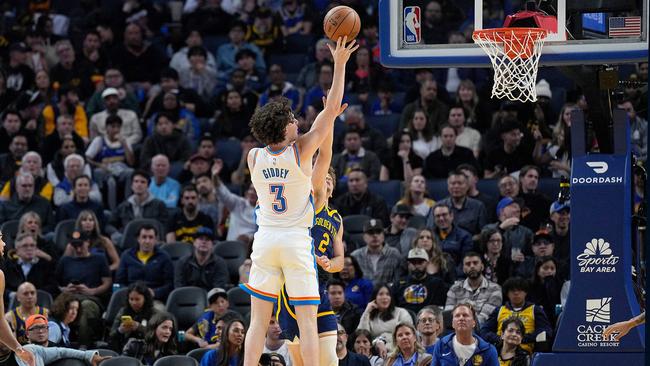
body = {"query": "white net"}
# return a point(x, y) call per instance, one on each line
point(514, 53)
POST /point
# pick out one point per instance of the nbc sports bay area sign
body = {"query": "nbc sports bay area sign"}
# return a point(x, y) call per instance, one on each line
point(597, 257)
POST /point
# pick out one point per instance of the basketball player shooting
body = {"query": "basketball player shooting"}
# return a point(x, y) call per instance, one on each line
point(282, 247)
point(6, 334)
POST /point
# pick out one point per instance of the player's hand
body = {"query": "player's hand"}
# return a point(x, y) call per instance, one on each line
point(341, 108)
point(324, 262)
point(341, 54)
point(26, 356)
point(620, 329)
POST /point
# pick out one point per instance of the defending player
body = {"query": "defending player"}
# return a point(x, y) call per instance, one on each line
point(327, 235)
point(282, 250)
point(6, 335)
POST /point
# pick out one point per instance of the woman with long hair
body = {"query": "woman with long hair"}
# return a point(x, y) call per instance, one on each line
point(381, 315)
point(510, 351)
point(55, 169)
point(440, 263)
point(186, 121)
point(362, 344)
point(232, 120)
point(357, 289)
point(159, 340)
point(555, 155)
point(479, 113)
point(497, 266)
point(88, 225)
point(30, 222)
point(44, 86)
point(546, 286)
point(363, 75)
point(423, 134)
point(132, 319)
point(62, 319)
point(231, 349)
point(407, 351)
point(416, 196)
point(404, 162)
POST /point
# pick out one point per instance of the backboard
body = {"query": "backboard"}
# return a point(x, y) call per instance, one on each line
point(437, 33)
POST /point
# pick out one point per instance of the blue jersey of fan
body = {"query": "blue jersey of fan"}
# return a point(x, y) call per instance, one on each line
point(325, 229)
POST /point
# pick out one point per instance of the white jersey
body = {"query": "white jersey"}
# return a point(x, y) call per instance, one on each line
point(284, 191)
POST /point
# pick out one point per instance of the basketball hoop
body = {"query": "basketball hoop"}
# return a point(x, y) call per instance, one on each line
point(514, 53)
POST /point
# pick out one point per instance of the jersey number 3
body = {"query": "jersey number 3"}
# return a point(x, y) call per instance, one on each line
point(322, 247)
point(279, 201)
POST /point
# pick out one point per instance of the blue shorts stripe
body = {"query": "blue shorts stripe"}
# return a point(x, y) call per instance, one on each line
point(304, 302)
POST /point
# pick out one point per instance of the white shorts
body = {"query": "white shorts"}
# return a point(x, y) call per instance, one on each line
point(283, 256)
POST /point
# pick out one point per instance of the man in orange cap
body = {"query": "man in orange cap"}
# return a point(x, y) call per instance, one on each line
point(36, 327)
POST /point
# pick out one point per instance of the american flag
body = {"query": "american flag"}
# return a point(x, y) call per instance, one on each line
point(624, 27)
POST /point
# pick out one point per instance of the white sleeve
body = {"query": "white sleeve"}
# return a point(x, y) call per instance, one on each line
point(94, 148)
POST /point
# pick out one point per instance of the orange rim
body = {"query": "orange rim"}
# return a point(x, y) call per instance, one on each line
point(508, 33)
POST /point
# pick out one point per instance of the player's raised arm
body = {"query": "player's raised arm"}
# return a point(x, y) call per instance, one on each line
point(322, 165)
point(311, 141)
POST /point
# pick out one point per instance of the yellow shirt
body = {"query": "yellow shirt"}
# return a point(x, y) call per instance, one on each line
point(80, 121)
point(46, 191)
point(144, 257)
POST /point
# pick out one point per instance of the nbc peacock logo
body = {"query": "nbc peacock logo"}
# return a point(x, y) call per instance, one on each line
point(597, 257)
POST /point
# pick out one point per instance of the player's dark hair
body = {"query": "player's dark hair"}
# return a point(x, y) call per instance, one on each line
point(269, 122)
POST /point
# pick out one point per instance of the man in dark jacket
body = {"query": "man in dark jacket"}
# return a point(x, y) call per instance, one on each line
point(347, 358)
point(419, 288)
point(168, 141)
point(25, 266)
point(24, 201)
point(202, 268)
point(347, 314)
point(451, 238)
point(147, 263)
point(359, 201)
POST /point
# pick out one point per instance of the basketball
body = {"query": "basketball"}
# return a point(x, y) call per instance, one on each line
point(341, 21)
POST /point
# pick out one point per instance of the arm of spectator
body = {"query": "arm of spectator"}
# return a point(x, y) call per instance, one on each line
point(229, 199)
point(170, 237)
point(91, 152)
point(95, 194)
point(374, 168)
point(121, 274)
point(489, 328)
point(129, 155)
point(221, 277)
point(451, 299)
point(541, 325)
point(493, 302)
point(191, 335)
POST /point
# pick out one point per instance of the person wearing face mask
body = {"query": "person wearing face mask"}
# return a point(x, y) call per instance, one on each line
point(419, 288)
point(510, 352)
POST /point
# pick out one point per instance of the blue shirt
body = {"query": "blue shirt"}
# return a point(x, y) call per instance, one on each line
point(359, 291)
point(210, 359)
point(167, 192)
point(410, 362)
point(206, 327)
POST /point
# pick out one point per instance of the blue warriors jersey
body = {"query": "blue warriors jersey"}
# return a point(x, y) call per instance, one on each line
point(326, 228)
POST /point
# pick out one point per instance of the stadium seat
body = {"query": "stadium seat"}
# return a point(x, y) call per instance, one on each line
point(354, 241)
point(43, 298)
point(303, 42)
point(107, 352)
point(118, 299)
point(489, 187)
point(234, 253)
point(437, 189)
point(176, 360)
point(118, 361)
point(62, 233)
point(353, 224)
point(198, 353)
point(177, 250)
point(187, 304)
point(290, 62)
point(386, 124)
point(9, 231)
point(130, 233)
point(229, 150)
point(390, 191)
point(75, 362)
point(417, 222)
point(240, 300)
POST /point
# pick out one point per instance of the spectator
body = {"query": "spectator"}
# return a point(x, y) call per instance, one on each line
point(418, 288)
point(357, 289)
point(463, 345)
point(70, 71)
point(639, 130)
point(19, 77)
point(510, 350)
point(226, 62)
point(184, 224)
point(456, 240)
point(81, 201)
point(515, 290)
point(497, 262)
point(508, 186)
point(280, 87)
point(64, 127)
point(308, 76)
point(36, 330)
point(24, 200)
point(378, 261)
point(132, 318)
point(208, 17)
point(440, 264)
point(231, 349)
point(385, 103)
point(516, 237)
point(88, 192)
point(8, 96)
point(358, 200)
point(355, 156)
point(140, 205)
point(181, 61)
point(203, 268)
point(347, 314)
point(546, 286)
point(88, 225)
point(10, 162)
point(12, 125)
point(449, 156)
point(140, 61)
point(237, 82)
point(25, 266)
point(67, 105)
point(407, 347)
point(479, 114)
point(26, 306)
point(510, 156)
point(30, 223)
point(468, 213)
point(346, 357)
point(416, 196)
point(274, 344)
point(425, 140)
point(232, 120)
point(404, 163)
point(435, 111)
point(206, 332)
point(429, 325)
point(147, 263)
point(63, 316)
point(113, 78)
point(159, 340)
point(466, 137)
point(162, 186)
point(86, 275)
point(296, 18)
point(435, 26)
point(560, 213)
point(382, 315)
point(535, 202)
point(325, 73)
point(184, 120)
point(208, 203)
point(398, 235)
point(169, 83)
point(195, 166)
point(489, 202)
point(364, 75)
point(542, 246)
point(56, 169)
point(264, 32)
point(168, 141)
point(483, 295)
point(197, 75)
point(242, 223)
point(364, 346)
point(130, 129)
point(555, 156)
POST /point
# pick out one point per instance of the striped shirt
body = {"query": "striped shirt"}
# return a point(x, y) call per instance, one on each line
point(484, 299)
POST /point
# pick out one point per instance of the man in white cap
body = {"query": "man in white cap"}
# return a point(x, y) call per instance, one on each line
point(130, 129)
point(419, 289)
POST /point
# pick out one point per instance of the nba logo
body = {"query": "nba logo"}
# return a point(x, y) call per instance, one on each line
point(412, 24)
